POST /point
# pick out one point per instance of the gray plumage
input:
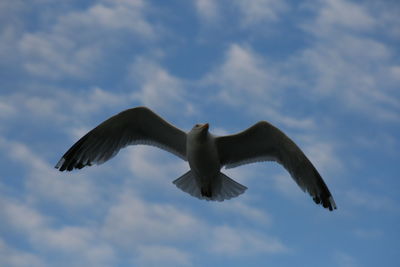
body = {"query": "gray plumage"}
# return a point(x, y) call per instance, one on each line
point(205, 153)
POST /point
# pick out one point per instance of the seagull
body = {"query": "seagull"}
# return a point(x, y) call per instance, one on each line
point(205, 153)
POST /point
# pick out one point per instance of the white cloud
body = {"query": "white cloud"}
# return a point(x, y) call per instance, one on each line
point(10, 6)
point(80, 243)
point(93, 100)
point(395, 72)
point(344, 259)
point(69, 108)
point(55, 56)
point(347, 63)
point(323, 155)
point(370, 201)
point(305, 123)
point(8, 38)
point(342, 62)
point(207, 9)
point(6, 109)
point(159, 89)
point(335, 15)
point(11, 24)
point(111, 15)
point(368, 234)
point(260, 11)
point(386, 14)
point(383, 140)
point(10, 256)
point(46, 183)
point(156, 255)
point(285, 184)
point(249, 13)
point(80, 40)
point(248, 82)
point(243, 76)
point(247, 211)
point(154, 167)
point(21, 217)
point(76, 240)
point(236, 241)
point(132, 222)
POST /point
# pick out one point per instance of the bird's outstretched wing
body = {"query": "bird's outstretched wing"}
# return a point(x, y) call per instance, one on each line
point(133, 126)
point(264, 142)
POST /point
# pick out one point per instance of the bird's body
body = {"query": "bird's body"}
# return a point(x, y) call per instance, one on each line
point(203, 159)
point(205, 153)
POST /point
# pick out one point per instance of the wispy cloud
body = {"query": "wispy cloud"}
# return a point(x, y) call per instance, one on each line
point(341, 62)
point(259, 11)
point(7, 109)
point(339, 15)
point(10, 256)
point(156, 255)
point(15, 214)
point(69, 49)
point(132, 221)
point(344, 259)
point(371, 201)
point(247, 211)
point(55, 56)
point(153, 170)
point(287, 186)
point(236, 241)
point(66, 109)
point(207, 9)
point(44, 183)
point(81, 242)
point(325, 155)
point(249, 13)
point(245, 77)
point(112, 15)
point(369, 234)
point(158, 88)
point(348, 64)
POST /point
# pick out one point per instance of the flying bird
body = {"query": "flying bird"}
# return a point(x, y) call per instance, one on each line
point(205, 153)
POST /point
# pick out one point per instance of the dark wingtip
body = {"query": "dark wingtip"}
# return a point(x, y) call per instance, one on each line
point(69, 165)
point(332, 204)
point(324, 197)
point(60, 164)
point(326, 202)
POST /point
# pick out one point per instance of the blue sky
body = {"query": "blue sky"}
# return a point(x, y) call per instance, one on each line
point(325, 72)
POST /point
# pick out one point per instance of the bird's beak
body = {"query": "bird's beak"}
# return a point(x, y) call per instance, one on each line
point(205, 125)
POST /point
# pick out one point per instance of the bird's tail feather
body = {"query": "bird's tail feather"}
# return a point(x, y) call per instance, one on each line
point(226, 188)
point(229, 188)
point(187, 183)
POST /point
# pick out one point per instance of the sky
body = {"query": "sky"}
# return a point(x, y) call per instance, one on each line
point(326, 72)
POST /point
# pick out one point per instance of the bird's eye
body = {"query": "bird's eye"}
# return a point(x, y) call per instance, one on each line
point(197, 125)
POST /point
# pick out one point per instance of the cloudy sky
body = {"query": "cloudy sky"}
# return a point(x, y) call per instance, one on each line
point(326, 72)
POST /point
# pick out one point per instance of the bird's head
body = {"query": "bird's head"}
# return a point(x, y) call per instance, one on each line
point(199, 130)
point(200, 127)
